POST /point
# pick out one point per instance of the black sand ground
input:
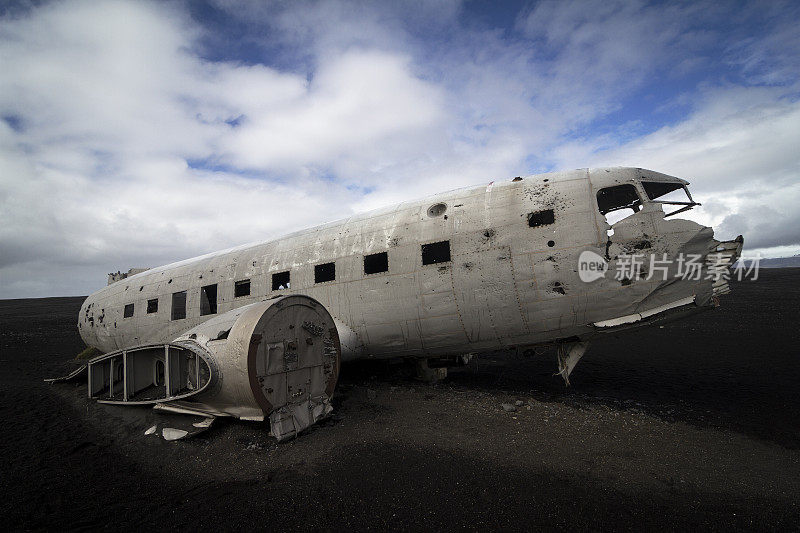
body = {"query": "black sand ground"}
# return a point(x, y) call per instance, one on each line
point(693, 425)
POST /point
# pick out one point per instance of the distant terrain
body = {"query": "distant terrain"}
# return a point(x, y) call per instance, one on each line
point(781, 262)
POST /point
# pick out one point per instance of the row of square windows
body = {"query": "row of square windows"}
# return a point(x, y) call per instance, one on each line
point(437, 252)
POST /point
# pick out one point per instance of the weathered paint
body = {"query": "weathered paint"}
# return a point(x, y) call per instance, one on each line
point(507, 284)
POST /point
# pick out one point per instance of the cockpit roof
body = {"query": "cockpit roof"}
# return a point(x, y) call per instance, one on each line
point(608, 177)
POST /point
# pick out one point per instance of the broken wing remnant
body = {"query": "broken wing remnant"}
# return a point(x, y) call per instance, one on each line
point(148, 374)
point(277, 358)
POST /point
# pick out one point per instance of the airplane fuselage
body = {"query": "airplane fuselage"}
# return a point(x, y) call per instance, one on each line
point(465, 271)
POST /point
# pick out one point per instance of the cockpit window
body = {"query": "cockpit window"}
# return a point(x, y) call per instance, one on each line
point(655, 189)
point(618, 202)
point(619, 197)
point(669, 193)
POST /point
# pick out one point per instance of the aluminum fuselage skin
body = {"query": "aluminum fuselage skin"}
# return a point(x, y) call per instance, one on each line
point(507, 284)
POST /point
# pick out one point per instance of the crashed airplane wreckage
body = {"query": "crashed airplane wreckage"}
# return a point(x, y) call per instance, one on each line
point(258, 332)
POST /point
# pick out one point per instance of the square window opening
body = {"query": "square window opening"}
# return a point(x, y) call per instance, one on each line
point(541, 218)
point(208, 300)
point(376, 263)
point(281, 281)
point(436, 252)
point(152, 306)
point(324, 272)
point(178, 305)
point(241, 288)
point(618, 200)
point(128, 311)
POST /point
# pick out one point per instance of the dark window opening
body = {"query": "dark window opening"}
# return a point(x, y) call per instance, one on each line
point(436, 252)
point(128, 311)
point(178, 305)
point(324, 272)
point(375, 263)
point(208, 299)
point(152, 306)
point(159, 373)
point(618, 198)
point(655, 189)
point(281, 281)
point(541, 218)
point(241, 288)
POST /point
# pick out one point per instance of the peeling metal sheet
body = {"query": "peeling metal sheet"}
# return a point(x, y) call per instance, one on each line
point(568, 356)
point(291, 419)
point(189, 408)
point(205, 423)
point(724, 257)
point(173, 433)
point(629, 319)
point(75, 375)
point(177, 428)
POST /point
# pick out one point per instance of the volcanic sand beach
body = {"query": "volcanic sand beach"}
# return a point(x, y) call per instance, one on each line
point(692, 425)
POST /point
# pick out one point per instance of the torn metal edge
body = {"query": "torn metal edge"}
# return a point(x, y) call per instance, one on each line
point(636, 317)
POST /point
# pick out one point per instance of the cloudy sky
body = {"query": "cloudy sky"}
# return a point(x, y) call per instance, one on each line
point(136, 133)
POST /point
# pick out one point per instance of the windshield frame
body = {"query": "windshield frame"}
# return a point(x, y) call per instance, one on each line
point(685, 206)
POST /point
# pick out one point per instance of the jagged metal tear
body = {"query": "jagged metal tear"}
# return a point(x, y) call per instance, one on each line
point(289, 420)
point(568, 356)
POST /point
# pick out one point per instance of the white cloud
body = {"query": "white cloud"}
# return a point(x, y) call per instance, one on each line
point(360, 106)
point(739, 150)
point(379, 103)
point(111, 104)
